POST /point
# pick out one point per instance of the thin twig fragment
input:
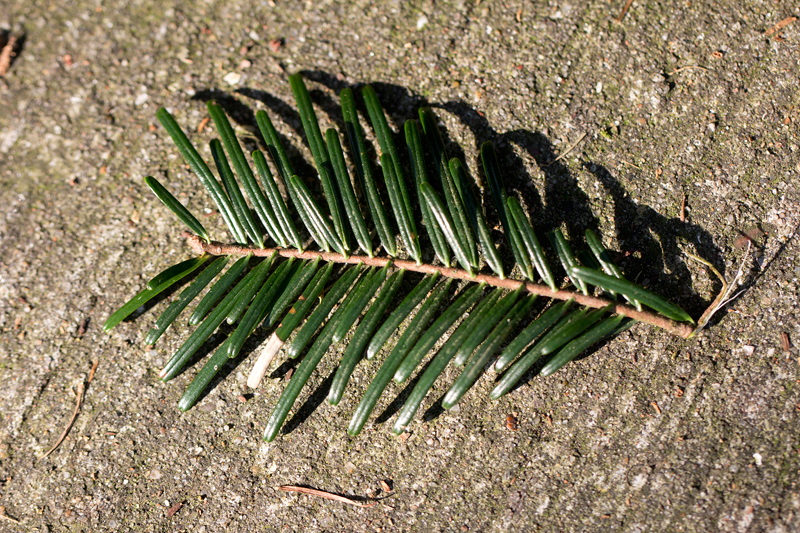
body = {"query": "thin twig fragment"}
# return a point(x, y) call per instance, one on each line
point(7, 54)
point(78, 402)
point(779, 26)
point(687, 67)
point(323, 494)
point(92, 371)
point(683, 209)
point(631, 164)
point(4, 515)
point(624, 10)
point(568, 150)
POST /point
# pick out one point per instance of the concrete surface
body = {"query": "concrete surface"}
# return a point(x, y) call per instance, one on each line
point(648, 433)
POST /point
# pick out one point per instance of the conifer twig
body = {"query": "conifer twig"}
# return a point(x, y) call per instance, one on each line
point(217, 248)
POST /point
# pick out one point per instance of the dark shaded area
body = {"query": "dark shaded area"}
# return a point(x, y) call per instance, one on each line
point(401, 398)
point(310, 405)
point(651, 243)
point(537, 366)
point(206, 349)
point(284, 368)
point(434, 411)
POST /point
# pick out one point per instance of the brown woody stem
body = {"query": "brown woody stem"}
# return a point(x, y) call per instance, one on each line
point(217, 248)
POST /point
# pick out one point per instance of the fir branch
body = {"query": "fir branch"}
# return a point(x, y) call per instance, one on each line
point(455, 224)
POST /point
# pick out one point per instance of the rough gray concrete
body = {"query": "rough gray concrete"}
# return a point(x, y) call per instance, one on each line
point(648, 433)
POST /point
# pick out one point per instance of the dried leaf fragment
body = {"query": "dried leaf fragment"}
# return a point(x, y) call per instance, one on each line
point(511, 422)
point(785, 342)
point(174, 509)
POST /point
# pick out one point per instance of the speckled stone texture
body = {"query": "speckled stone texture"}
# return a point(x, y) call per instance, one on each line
point(647, 433)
